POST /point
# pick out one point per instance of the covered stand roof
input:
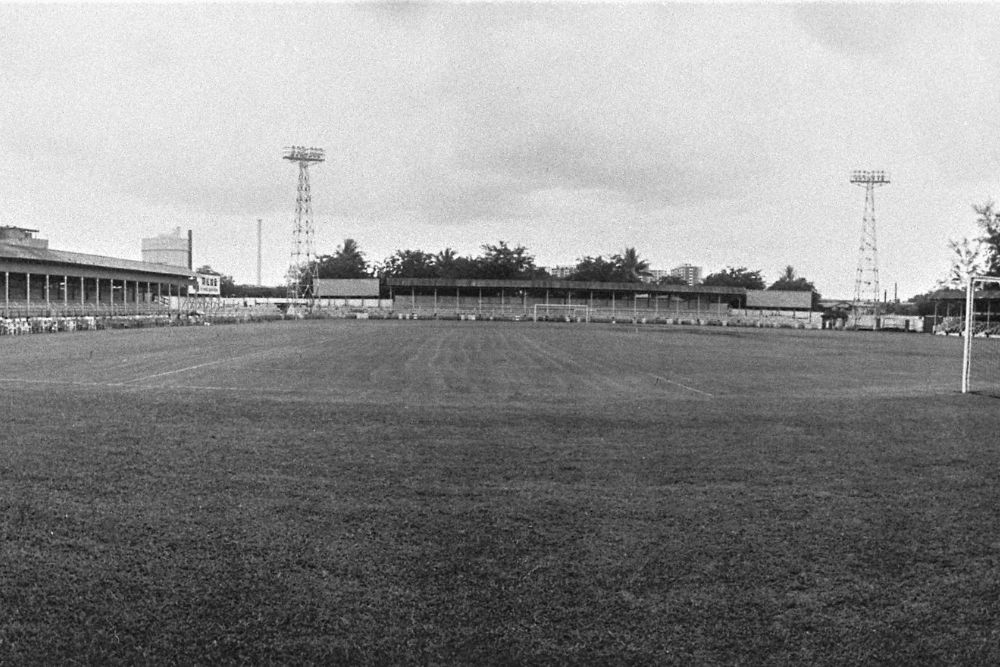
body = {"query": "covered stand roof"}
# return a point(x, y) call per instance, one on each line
point(554, 283)
point(20, 257)
point(959, 295)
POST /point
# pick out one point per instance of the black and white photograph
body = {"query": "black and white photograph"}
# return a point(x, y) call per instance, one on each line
point(499, 333)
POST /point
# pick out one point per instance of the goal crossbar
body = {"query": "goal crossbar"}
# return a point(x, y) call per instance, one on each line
point(567, 310)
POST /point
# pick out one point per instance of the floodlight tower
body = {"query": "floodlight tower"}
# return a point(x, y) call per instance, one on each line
point(866, 289)
point(302, 234)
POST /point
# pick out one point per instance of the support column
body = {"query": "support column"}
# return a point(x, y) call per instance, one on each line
point(97, 292)
point(83, 293)
point(65, 292)
point(48, 301)
point(27, 291)
point(6, 293)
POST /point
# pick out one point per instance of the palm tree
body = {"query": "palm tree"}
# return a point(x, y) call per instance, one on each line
point(347, 262)
point(444, 262)
point(350, 252)
point(630, 267)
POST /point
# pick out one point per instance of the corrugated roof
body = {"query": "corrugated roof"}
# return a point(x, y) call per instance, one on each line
point(27, 253)
point(556, 283)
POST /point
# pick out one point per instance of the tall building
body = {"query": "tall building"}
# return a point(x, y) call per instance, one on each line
point(172, 249)
point(655, 275)
point(689, 273)
point(563, 271)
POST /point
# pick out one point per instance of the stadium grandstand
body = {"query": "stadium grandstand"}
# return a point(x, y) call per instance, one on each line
point(39, 281)
point(569, 299)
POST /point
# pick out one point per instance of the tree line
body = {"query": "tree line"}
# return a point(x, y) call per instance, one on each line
point(502, 261)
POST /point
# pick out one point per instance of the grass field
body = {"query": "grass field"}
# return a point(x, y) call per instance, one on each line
point(481, 493)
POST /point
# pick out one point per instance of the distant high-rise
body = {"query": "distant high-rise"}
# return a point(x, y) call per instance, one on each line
point(172, 249)
point(689, 273)
point(561, 271)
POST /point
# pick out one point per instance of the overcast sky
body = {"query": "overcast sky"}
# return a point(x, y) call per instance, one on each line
point(719, 135)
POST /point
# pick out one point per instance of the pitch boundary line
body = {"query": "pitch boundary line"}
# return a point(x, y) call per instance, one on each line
point(178, 370)
point(152, 387)
point(135, 382)
point(684, 386)
point(214, 362)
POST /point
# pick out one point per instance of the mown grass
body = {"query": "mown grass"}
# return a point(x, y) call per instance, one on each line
point(176, 524)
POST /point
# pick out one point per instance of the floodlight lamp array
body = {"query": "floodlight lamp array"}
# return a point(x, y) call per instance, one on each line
point(861, 176)
point(304, 154)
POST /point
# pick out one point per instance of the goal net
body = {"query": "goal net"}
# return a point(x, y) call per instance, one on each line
point(981, 357)
point(561, 312)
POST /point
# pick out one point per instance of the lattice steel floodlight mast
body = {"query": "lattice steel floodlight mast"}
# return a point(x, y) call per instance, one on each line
point(303, 232)
point(866, 287)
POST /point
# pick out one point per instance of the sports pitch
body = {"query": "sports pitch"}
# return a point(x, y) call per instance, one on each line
point(480, 492)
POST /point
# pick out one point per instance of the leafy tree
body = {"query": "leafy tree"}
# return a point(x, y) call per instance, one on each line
point(227, 286)
point(730, 277)
point(671, 280)
point(347, 262)
point(448, 264)
point(792, 283)
point(595, 269)
point(966, 261)
point(629, 268)
point(989, 223)
point(409, 264)
point(503, 262)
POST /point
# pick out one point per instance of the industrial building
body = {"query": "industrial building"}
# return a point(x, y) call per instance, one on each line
point(172, 249)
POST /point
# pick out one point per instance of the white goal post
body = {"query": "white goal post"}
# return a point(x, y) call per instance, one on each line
point(568, 312)
point(981, 331)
